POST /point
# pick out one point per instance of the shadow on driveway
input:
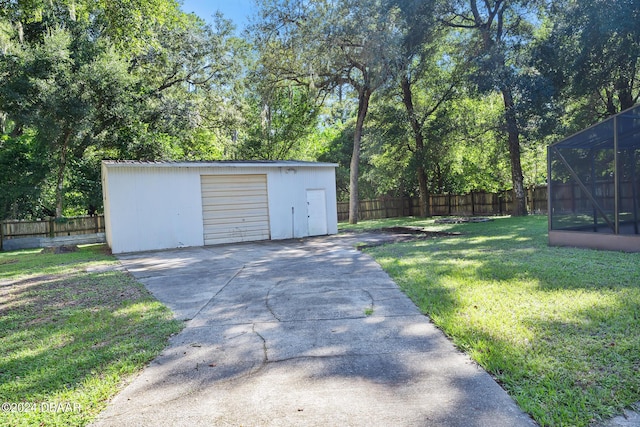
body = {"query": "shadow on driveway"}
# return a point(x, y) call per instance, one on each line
point(309, 332)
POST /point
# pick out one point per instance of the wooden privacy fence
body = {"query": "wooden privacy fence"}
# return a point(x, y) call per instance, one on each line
point(474, 203)
point(51, 228)
point(569, 197)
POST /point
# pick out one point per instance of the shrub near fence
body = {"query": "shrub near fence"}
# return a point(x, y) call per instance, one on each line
point(475, 203)
point(52, 231)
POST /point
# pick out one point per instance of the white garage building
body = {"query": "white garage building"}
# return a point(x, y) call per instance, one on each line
point(162, 205)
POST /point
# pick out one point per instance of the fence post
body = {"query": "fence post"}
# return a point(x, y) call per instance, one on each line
point(533, 200)
point(52, 225)
point(473, 205)
point(1, 233)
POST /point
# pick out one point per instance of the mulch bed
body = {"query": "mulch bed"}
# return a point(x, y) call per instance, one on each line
point(59, 249)
point(404, 234)
point(461, 220)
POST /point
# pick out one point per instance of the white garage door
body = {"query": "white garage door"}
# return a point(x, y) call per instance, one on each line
point(234, 208)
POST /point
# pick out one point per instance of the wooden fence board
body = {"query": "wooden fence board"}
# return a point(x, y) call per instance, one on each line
point(52, 227)
point(476, 203)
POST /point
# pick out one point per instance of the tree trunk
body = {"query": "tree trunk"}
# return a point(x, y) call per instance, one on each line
point(407, 99)
point(424, 193)
point(61, 169)
point(625, 96)
point(363, 105)
point(18, 130)
point(439, 179)
point(611, 105)
point(519, 195)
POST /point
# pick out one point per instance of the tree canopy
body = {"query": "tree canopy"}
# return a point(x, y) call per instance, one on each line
point(83, 81)
point(410, 98)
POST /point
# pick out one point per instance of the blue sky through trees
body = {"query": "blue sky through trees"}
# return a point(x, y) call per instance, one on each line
point(237, 11)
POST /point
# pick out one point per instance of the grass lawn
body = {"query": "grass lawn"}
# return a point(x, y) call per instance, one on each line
point(559, 328)
point(72, 330)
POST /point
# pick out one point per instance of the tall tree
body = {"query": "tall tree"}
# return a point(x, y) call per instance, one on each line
point(92, 79)
point(53, 87)
point(428, 68)
point(499, 30)
point(278, 121)
point(592, 53)
point(330, 44)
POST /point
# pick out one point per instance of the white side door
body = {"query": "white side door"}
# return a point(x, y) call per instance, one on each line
point(317, 212)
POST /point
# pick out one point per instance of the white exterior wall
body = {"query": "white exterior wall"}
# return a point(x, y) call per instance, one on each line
point(152, 206)
point(288, 189)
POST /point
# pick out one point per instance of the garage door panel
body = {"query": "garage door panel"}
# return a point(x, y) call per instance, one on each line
point(228, 188)
point(239, 222)
point(235, 208)
point(226, 222)
point(212, 206)
point(226, 231)
point(235, 237)
point(231, 179)
point(228, 210)
point(220, 240)
point(259, 192)
point(213, 233)
point(245, 200)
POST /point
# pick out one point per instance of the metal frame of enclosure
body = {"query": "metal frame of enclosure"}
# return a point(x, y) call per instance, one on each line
point(594, 186)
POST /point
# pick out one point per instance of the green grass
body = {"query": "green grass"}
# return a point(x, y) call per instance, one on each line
point(559, 328)
point(72, 331)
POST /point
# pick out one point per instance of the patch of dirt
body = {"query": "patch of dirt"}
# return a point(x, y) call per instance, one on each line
point(418, 230)
point(45, 298)
point(402, 234)
point(64, 249)
point(104, 249)
point(462, 220)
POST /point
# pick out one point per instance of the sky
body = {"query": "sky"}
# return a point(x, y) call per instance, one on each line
point(235, 10)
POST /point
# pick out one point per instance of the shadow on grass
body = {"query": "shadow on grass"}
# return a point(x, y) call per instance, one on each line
point(310, 321)
point(73, 337)
point(16, 264)
point(559, 327)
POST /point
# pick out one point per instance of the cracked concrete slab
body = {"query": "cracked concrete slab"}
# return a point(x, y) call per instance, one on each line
point(629, 418)
point(309, 332)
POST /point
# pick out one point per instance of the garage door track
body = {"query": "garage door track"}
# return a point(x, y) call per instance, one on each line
point(299, 333)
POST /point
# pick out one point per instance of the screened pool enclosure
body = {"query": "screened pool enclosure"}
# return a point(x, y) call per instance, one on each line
point(594, 185)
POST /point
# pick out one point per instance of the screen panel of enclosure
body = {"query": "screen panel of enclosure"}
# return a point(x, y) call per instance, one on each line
point(594, 177)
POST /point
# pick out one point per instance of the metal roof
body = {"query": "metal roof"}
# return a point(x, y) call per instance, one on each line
point(600, 135)
point(218, 163)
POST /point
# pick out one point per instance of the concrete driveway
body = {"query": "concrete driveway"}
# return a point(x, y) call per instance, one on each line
point(304, 333)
